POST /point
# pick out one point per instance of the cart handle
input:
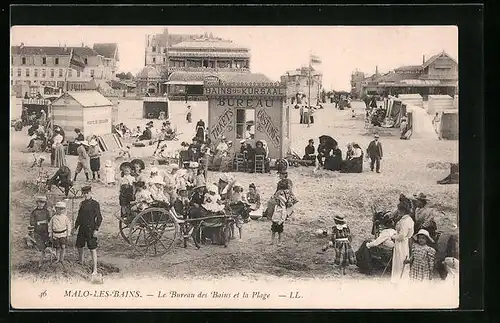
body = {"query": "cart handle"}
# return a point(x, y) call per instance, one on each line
point(208, 218)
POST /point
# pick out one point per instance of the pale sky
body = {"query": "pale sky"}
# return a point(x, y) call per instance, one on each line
point(274, 49)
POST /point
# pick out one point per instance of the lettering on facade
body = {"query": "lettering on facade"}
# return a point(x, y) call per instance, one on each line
point(241, 91)
point(245, 103)
point(264, 124)
point(98, 121)
point(223, 124)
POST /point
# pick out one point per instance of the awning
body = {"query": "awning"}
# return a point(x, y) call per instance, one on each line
point(185, 82)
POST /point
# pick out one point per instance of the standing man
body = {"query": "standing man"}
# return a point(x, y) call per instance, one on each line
point(374, 151)
point(301, 111)
point(83, 160)
point(188, 115)
point(88, 221)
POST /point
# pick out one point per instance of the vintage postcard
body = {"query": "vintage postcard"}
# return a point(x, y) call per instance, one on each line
point(263, 167)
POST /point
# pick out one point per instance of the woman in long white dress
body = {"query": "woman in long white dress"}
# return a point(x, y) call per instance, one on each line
point(59, 151)
point(401, 251)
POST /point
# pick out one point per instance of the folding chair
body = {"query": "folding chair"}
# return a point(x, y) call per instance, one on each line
point(239, 162)
point(259, 164)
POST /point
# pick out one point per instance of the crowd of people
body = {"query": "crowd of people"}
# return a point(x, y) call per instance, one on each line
point(183, 187)
point(420, 251)
point(329, 156)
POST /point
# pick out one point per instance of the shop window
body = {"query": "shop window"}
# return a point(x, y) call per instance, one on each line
point(240, 123)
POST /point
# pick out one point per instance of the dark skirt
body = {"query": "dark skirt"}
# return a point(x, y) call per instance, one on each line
point(344, 255)
point(277, 228)
point(95, 164)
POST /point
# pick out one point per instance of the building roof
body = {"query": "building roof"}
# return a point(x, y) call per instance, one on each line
point(232, 77)
point(52, 50)
point(409, 68)
point(434, 57)
point(149, 72)
point(108, 50)
point(390, 77)
point(209, 43)
point(88, 99)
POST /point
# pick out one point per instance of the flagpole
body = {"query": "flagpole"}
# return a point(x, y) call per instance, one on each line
point(67, 69)
point(309, 93)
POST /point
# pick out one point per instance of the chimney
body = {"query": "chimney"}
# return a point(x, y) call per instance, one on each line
point(376, 69)
point(423, 59)
point(83, 45)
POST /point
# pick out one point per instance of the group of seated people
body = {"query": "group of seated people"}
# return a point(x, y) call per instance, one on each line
point(224, 160)
point(185, 190)
point(330, 157)
point(38, 139)
point(423, 217)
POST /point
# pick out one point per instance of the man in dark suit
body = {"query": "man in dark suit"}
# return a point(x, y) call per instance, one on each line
point(374, 151)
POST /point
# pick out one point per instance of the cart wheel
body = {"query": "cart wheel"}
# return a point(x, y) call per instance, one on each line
point(153, 232)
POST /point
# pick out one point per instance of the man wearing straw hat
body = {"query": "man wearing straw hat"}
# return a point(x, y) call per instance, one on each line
point(88, 221)
point(83, 160)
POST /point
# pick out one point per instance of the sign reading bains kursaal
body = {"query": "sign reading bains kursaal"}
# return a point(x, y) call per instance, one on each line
point(259, 89)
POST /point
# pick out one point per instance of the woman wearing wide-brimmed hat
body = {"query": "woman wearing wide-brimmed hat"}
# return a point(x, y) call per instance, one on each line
point(424, 216)
point(59, 154)
point(422, 257)
point(401, 250)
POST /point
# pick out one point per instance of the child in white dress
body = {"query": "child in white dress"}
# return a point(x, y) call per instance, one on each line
point(109, 172)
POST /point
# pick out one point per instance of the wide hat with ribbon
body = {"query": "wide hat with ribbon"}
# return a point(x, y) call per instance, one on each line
point(61, 205)
point(425, 233)
point(420, 196)
point(41, 198)
point(125, 165)
point(339, 218)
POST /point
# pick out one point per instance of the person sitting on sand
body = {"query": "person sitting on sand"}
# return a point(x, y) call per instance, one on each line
point(309, 152)
point(253, 197)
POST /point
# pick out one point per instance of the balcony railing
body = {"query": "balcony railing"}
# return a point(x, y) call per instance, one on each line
point(154, 98)
point(36, 101)
point(208, 69)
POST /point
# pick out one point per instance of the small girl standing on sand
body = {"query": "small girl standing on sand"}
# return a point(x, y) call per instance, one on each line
point(341, 240)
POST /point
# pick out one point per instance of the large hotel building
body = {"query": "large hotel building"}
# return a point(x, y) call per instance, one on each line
point(34, 67)
point(178, 64)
